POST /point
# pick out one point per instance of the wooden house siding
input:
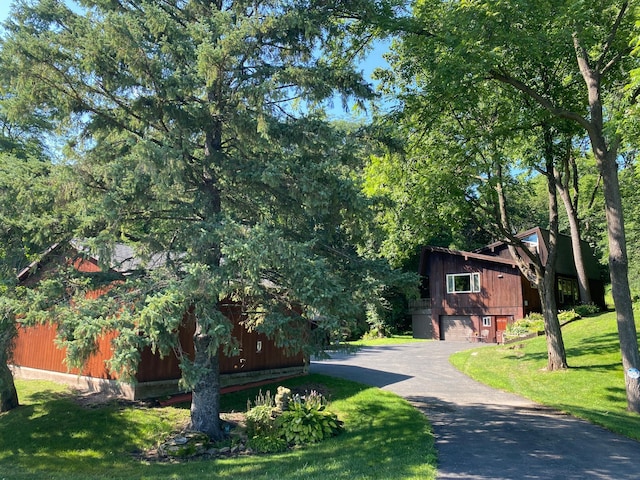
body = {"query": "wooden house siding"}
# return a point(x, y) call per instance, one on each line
point(500, 295)
point(36, 354)
point(35, 348)
point(504, 295)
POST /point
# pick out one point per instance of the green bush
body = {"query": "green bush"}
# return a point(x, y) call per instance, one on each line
point(267, 443)
point(587, 309)
point(270, 430)
point(308, 421)
point(532, 323)
point(567, 315)
point(260, 419)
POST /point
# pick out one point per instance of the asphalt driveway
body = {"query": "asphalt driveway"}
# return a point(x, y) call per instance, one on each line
point(482, 433)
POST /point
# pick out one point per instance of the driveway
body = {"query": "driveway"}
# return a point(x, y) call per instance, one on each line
point(482, 433)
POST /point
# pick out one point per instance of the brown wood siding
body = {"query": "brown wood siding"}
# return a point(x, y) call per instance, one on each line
point(35, 348)
point(500, 286)
point(153, 368)
point(501, 291)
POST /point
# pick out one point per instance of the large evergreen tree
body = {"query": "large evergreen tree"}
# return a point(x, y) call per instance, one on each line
point(195, 131)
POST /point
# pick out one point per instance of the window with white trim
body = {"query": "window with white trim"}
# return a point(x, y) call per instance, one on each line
point(486, 321)
point(463, 282)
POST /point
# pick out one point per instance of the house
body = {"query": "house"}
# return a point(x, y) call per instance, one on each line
point(473, 296)
point(36, 356)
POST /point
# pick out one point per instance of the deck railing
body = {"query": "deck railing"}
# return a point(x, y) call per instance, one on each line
point(420, 304)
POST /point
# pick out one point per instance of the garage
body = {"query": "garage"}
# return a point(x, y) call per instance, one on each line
point(456, 327)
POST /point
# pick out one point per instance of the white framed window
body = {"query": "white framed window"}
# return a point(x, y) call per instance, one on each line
point(486, 321)
point(463, 282)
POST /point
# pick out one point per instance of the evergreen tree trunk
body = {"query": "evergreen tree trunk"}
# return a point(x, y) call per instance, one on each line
point(8, 394)
point(205, 403)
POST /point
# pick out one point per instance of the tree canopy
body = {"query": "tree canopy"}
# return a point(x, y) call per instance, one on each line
point(194, 130)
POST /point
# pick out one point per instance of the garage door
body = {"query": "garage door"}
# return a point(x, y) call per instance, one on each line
point(454, 327)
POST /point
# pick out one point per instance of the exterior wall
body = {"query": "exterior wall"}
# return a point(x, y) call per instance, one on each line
point(36, 356)
point(501, 294)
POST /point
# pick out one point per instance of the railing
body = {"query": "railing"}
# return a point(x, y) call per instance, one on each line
point(420, 304)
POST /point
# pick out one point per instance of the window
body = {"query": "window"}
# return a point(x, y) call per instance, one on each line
point(486, 321)
point(568, 291)
point(531, 242)
point(463, 283)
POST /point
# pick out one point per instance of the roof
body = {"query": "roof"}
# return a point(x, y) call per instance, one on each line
point(123, 258)
point(476, 256)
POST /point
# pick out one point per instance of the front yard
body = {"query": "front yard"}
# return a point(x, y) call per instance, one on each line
point(55, 435)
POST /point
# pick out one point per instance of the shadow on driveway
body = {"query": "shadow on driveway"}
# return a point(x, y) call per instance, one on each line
point(482, 433)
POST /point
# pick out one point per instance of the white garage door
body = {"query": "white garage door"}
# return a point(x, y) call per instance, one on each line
point(455, 327)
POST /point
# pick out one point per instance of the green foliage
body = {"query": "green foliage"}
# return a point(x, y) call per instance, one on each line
point(565, 316)
point(267, 443)
point(261, 421)
point(532, 323)
point(586, 309)
point(197, 138)
point(305, 421)
point(308, 421)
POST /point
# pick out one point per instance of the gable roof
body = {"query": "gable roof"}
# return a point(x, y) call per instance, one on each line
point(564, 262)
point(474, 255)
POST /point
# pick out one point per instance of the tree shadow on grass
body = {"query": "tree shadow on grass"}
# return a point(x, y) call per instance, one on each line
point(596, 345)
point(56, 434)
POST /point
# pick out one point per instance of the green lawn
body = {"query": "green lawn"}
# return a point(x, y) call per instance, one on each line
point(52, 436)
point(592, 388)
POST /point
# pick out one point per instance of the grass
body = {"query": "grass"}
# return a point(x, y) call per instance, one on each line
point(592, 388)
point(53, 436)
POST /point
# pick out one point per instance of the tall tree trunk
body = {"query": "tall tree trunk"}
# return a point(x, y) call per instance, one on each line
point(605, 155)
point(571, 207)
point(556, 353)
point(205, 400)
point(8, 394)
point(618, 272)
point(542, 275)
point(205, 403)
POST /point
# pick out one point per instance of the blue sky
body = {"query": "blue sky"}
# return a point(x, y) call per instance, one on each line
point(4, 9)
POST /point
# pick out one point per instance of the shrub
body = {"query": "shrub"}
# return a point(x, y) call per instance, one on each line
point(267, 443)
point(587, 309)
point(532, 323)
point(270, 430)
point(260, 419)
point(567, 316)
point(308, 421)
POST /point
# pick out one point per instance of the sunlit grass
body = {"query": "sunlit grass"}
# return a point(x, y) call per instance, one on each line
point(52, 436)
point(592, 388)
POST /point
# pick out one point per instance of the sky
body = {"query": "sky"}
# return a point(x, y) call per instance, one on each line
point(4, 9)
